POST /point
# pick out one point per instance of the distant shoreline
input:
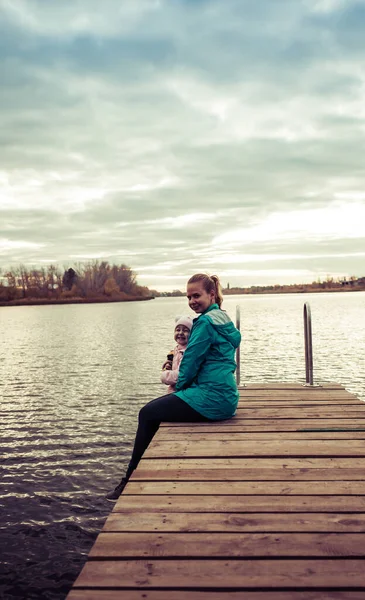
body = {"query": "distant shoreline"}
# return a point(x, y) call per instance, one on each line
point(262, 292)
point(45, 302)
point(230, 292)
point(297, 291)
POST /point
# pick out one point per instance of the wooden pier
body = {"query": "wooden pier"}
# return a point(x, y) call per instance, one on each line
point(269, 505)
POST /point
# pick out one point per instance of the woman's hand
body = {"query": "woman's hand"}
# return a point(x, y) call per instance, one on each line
point(167, 366)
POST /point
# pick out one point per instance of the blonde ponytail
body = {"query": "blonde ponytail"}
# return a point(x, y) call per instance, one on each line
point(218, 290)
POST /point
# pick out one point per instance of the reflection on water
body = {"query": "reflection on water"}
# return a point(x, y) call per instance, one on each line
point(72, 381)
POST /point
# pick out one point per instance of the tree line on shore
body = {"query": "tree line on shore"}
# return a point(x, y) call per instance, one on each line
point(85, 282)
point(330, 284)
point(100, 281)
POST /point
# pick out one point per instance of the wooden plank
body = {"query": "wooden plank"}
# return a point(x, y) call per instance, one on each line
point(305, 413)
point(187, 545)
point(294, 394)
point(297, 402)
point(261, 573)
point(339, 423)
point(258, 503)
point(334, 412)
point(321, 594)
point(298, 397)
point(300, 390)
point(272, 424)
point(255, 448)
point(239, 488)
point(249, 474)
point(283, 427)
point(274, 385)
point(321, 462)
point(259, 469)
point(302, 393)
point(234, 522)
point(243, 436)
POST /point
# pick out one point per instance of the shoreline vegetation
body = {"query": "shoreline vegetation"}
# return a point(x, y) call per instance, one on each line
point(354, 284)
point(97, 282)
point(54, 301)
point(87, 283)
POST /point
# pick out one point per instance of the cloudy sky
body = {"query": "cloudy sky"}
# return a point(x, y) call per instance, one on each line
point(176, 136)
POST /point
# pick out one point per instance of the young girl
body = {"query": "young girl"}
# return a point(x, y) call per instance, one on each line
point(206, 388)
point(171, 367)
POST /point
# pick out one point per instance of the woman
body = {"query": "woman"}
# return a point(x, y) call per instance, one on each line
point(206, 388)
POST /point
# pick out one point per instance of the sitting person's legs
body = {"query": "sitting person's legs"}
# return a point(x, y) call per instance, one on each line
point(166, 408)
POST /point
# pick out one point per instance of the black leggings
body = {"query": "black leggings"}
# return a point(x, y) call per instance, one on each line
point(166, 408)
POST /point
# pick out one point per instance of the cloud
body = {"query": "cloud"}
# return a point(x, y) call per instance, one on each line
point(168, 135)
point(73, 19)
point(301, 225)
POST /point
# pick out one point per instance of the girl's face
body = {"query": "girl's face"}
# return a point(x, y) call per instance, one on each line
point(199, 299)
point(181, 335)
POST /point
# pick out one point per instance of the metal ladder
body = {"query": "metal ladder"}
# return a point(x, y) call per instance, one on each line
point(308, 349)
point(308, 344)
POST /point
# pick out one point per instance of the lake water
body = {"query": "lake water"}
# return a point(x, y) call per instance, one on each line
point(72, 381)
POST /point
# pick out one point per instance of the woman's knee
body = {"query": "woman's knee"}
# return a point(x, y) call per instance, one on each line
point(142, 415)
point(154, 410)
point(147, 413)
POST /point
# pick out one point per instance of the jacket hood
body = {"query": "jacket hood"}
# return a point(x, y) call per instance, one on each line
point(223, 325)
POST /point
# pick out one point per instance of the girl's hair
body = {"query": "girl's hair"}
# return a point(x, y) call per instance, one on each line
point(210, 283)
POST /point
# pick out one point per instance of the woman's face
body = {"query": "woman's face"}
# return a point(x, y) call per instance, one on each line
point(199, 300)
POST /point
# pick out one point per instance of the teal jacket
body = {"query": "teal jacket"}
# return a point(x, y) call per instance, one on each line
point(206, 378)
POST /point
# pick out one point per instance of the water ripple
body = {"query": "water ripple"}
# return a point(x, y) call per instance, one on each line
point(75, 378)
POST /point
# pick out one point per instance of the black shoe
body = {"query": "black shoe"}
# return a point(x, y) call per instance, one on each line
point(114, 495)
